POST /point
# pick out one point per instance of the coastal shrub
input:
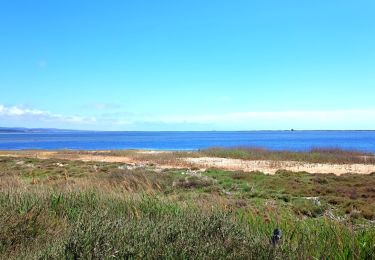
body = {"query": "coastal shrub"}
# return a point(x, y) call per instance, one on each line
point(315, 155)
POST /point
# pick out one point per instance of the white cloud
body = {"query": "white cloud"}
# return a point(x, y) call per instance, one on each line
point(20, 112)
point(251, 120)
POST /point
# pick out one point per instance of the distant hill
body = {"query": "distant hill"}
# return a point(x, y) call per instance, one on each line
point(32, 130)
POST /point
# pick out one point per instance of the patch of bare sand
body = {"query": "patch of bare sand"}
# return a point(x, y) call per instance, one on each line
point(119, 159)
point(72, 157)
point(266, 166)
point(29, 154)
point(270, 167)
point(102, 158)
point(153, 152)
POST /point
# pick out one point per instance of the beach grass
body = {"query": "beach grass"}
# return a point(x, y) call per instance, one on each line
point(56, 209)
point(315, 155)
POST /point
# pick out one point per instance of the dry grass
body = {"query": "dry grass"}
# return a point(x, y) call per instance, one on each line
point(317, 155)
point(56, 209)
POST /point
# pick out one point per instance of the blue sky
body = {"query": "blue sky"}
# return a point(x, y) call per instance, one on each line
point(187, 64)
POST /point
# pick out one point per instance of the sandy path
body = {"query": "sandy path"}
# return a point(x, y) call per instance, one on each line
point(270, 167)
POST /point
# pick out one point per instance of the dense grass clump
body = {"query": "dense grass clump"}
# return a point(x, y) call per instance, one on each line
point(91, 225)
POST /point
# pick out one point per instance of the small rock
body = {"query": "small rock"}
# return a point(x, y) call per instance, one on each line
point(315, 200)
point(30, 165)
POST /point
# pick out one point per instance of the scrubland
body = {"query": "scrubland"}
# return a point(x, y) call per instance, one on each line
point(56, 208)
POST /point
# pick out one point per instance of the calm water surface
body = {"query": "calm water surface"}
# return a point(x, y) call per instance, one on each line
point(278, 140)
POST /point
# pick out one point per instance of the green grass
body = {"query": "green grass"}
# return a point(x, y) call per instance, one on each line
point(102, 211)
point(317, 155)
point(346, 194)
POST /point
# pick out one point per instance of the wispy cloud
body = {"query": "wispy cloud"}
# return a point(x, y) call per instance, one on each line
point(251, 120)
point(20, 112)
point(269, 120)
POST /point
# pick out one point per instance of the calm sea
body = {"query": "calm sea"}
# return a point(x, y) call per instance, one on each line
point(278, 140)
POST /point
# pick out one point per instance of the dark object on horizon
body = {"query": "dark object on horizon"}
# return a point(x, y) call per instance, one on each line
point(276, 236)
point(292, 130)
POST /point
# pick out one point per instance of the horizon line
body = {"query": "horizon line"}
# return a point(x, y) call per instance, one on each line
point(260, 130)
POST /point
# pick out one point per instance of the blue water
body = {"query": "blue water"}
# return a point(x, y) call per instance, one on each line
point(278, 140)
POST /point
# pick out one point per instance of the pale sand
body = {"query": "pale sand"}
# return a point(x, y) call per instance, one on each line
point(266, 166)
point(270, 167)
point(100, 158)
point(28, 154)
point(152, 152)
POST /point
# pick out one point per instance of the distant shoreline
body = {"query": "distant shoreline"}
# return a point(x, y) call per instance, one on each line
point(9, 130)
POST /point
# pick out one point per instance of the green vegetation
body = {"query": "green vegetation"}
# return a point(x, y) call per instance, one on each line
point(317, 155)
point(53, 209)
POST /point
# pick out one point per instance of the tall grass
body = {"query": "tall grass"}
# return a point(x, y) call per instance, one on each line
point(315, 155)
point(95, 225)
point(102, 211)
